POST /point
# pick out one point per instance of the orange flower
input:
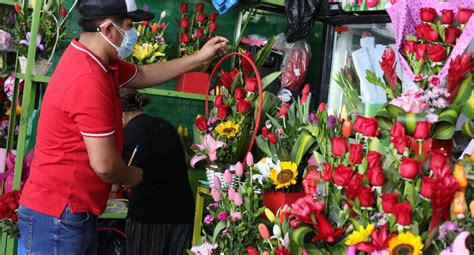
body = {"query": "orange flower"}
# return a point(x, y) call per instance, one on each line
point(154, 28)
point(17, 8)
point(263, 230)
point(460, 176)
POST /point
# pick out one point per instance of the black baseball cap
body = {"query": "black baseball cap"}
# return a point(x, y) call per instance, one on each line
point(105, 8)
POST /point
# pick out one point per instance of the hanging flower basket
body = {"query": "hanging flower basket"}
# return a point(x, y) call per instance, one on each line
point(41, 66)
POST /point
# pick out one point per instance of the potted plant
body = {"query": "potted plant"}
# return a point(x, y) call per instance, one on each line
point(151, 45)
point(53, 19)
point(194, 31)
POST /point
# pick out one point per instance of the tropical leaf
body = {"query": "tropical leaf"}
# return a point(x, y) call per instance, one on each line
point(409, 120)
point(263, 146)
point(303, 143)
point(268, 102)
point(267, 80)
point(298, 237)
point(467, 128)
point(264, 52)
point(465, 91)
point(220, 226)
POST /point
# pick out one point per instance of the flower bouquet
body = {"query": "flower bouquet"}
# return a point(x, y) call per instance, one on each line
point(8, 213)
point(53, 19)
point(431, 45)
point(151, 45)
point(349, 83)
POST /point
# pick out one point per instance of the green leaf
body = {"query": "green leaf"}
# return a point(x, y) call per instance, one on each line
point(410, 193)
point(274, 121)
point(303, 143)
point(298, 237)
point(269, 101)
point(264, 52)
point(467, 129)
point(465, 92)
point(443, 130)
point(220, 226)
point(263, 146)
point(409, 120)
point(375, 145)
point(267, 80)
point(236, 82)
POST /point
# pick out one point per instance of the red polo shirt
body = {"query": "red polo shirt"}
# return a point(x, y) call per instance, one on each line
point(82, 99)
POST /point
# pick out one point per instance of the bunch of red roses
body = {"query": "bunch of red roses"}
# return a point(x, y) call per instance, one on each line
point(8, 215)
point(195, 29)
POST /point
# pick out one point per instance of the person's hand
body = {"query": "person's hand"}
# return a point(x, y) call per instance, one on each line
point(135, 177)
point(215, 47)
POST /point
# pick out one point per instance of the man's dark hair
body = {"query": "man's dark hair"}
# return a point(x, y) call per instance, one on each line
point(88, 24)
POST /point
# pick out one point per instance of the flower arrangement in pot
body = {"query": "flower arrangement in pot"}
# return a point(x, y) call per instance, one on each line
point(151, 45)
point(53, 19)
point(225, 134)
point(194, 30)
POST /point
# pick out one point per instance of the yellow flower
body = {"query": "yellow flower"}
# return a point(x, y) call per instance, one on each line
point(285, 175)
point(140, 52)
point(359, 236)
point(270, 215)
point(405, 243)
point(228, 129)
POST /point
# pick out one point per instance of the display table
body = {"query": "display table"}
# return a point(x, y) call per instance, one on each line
point(201, 193)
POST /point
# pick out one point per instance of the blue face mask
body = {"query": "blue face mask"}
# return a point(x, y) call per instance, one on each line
point(130, 38)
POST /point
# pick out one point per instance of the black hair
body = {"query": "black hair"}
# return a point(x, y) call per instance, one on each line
point(132, 100)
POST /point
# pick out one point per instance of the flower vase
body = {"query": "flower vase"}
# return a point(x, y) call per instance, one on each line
point(193, 82)
point(274, 200)
point(41, 66)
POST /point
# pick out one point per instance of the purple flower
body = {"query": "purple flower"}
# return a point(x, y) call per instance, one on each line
point(208, 219)
point(351, 250)
point(38, 41)
point(212, 206)
point(313, 119)
point(332, 121)
point(222, 216)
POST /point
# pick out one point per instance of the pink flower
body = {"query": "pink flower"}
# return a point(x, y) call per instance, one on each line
point(231, 193)
point(222, 216)
point(238, 201)
point(239, 169)
point(235, 216)
point(210, 145)
point(227, 177)
point(249, 159)
point(216, 195)
point(208, 219)
point(217, 183)
point(418, 78)
point(458, 246)
point(212, 206)
point(434, 81)
point(204, 249)
point(411, 101)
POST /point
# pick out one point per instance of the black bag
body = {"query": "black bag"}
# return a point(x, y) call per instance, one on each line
point(112, 238)
point(300, 15)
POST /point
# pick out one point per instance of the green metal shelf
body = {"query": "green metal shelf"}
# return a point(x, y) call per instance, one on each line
point(9, 2)
point(172, 93)
point(35, 78)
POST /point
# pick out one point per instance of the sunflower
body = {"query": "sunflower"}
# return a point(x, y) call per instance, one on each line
point(285, 175)
point(405, 243)
point(359, 236)
point(228, 129)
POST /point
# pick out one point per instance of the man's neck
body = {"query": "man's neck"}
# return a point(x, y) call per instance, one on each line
point(93, 44)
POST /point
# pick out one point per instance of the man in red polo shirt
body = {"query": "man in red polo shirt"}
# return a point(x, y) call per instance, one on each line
point(79, 142)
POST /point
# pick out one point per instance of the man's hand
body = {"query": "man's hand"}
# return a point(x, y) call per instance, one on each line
point(215, 47)
point(135, 177)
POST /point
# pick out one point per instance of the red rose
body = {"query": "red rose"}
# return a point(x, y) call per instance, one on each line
point(464, 15)
point(376, 176)
point(428, 14)
point(184, 7)
point(409, 47)
point(400, 143)
point(447, 17)
point(327, 174)
point(184, 38)
point(199, 7)
point(222, 112)
point(243, 106)
point(3, 208)
point(201, 123)
point(200, 33)
point(409, 168)
point(354, 187)
point(212, 27)
point(402, 212)
point(423, 31)
point(373, 158)
point(339, 146)
point(284, 110)
point(14, 217)
point(272, 138)
point(366, 126)
point(342, 175)
point(422, 130)
point(452, 34)
point(389, 200)
point(355, 154)
point(427, 187)
point(420, 50)
point(184, 23)
point(251, 84)
point(219, 101)
point(252, 251)
point(201, 18)
point(213, 16)
point(265, 132)
point(436, 53)
point(239, 93)
point(438, 162)
point(433, 36)
point(397, 130)
point(366, 197)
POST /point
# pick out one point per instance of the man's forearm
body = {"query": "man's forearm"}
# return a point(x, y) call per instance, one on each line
point(118, 173)
point(159, 73)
